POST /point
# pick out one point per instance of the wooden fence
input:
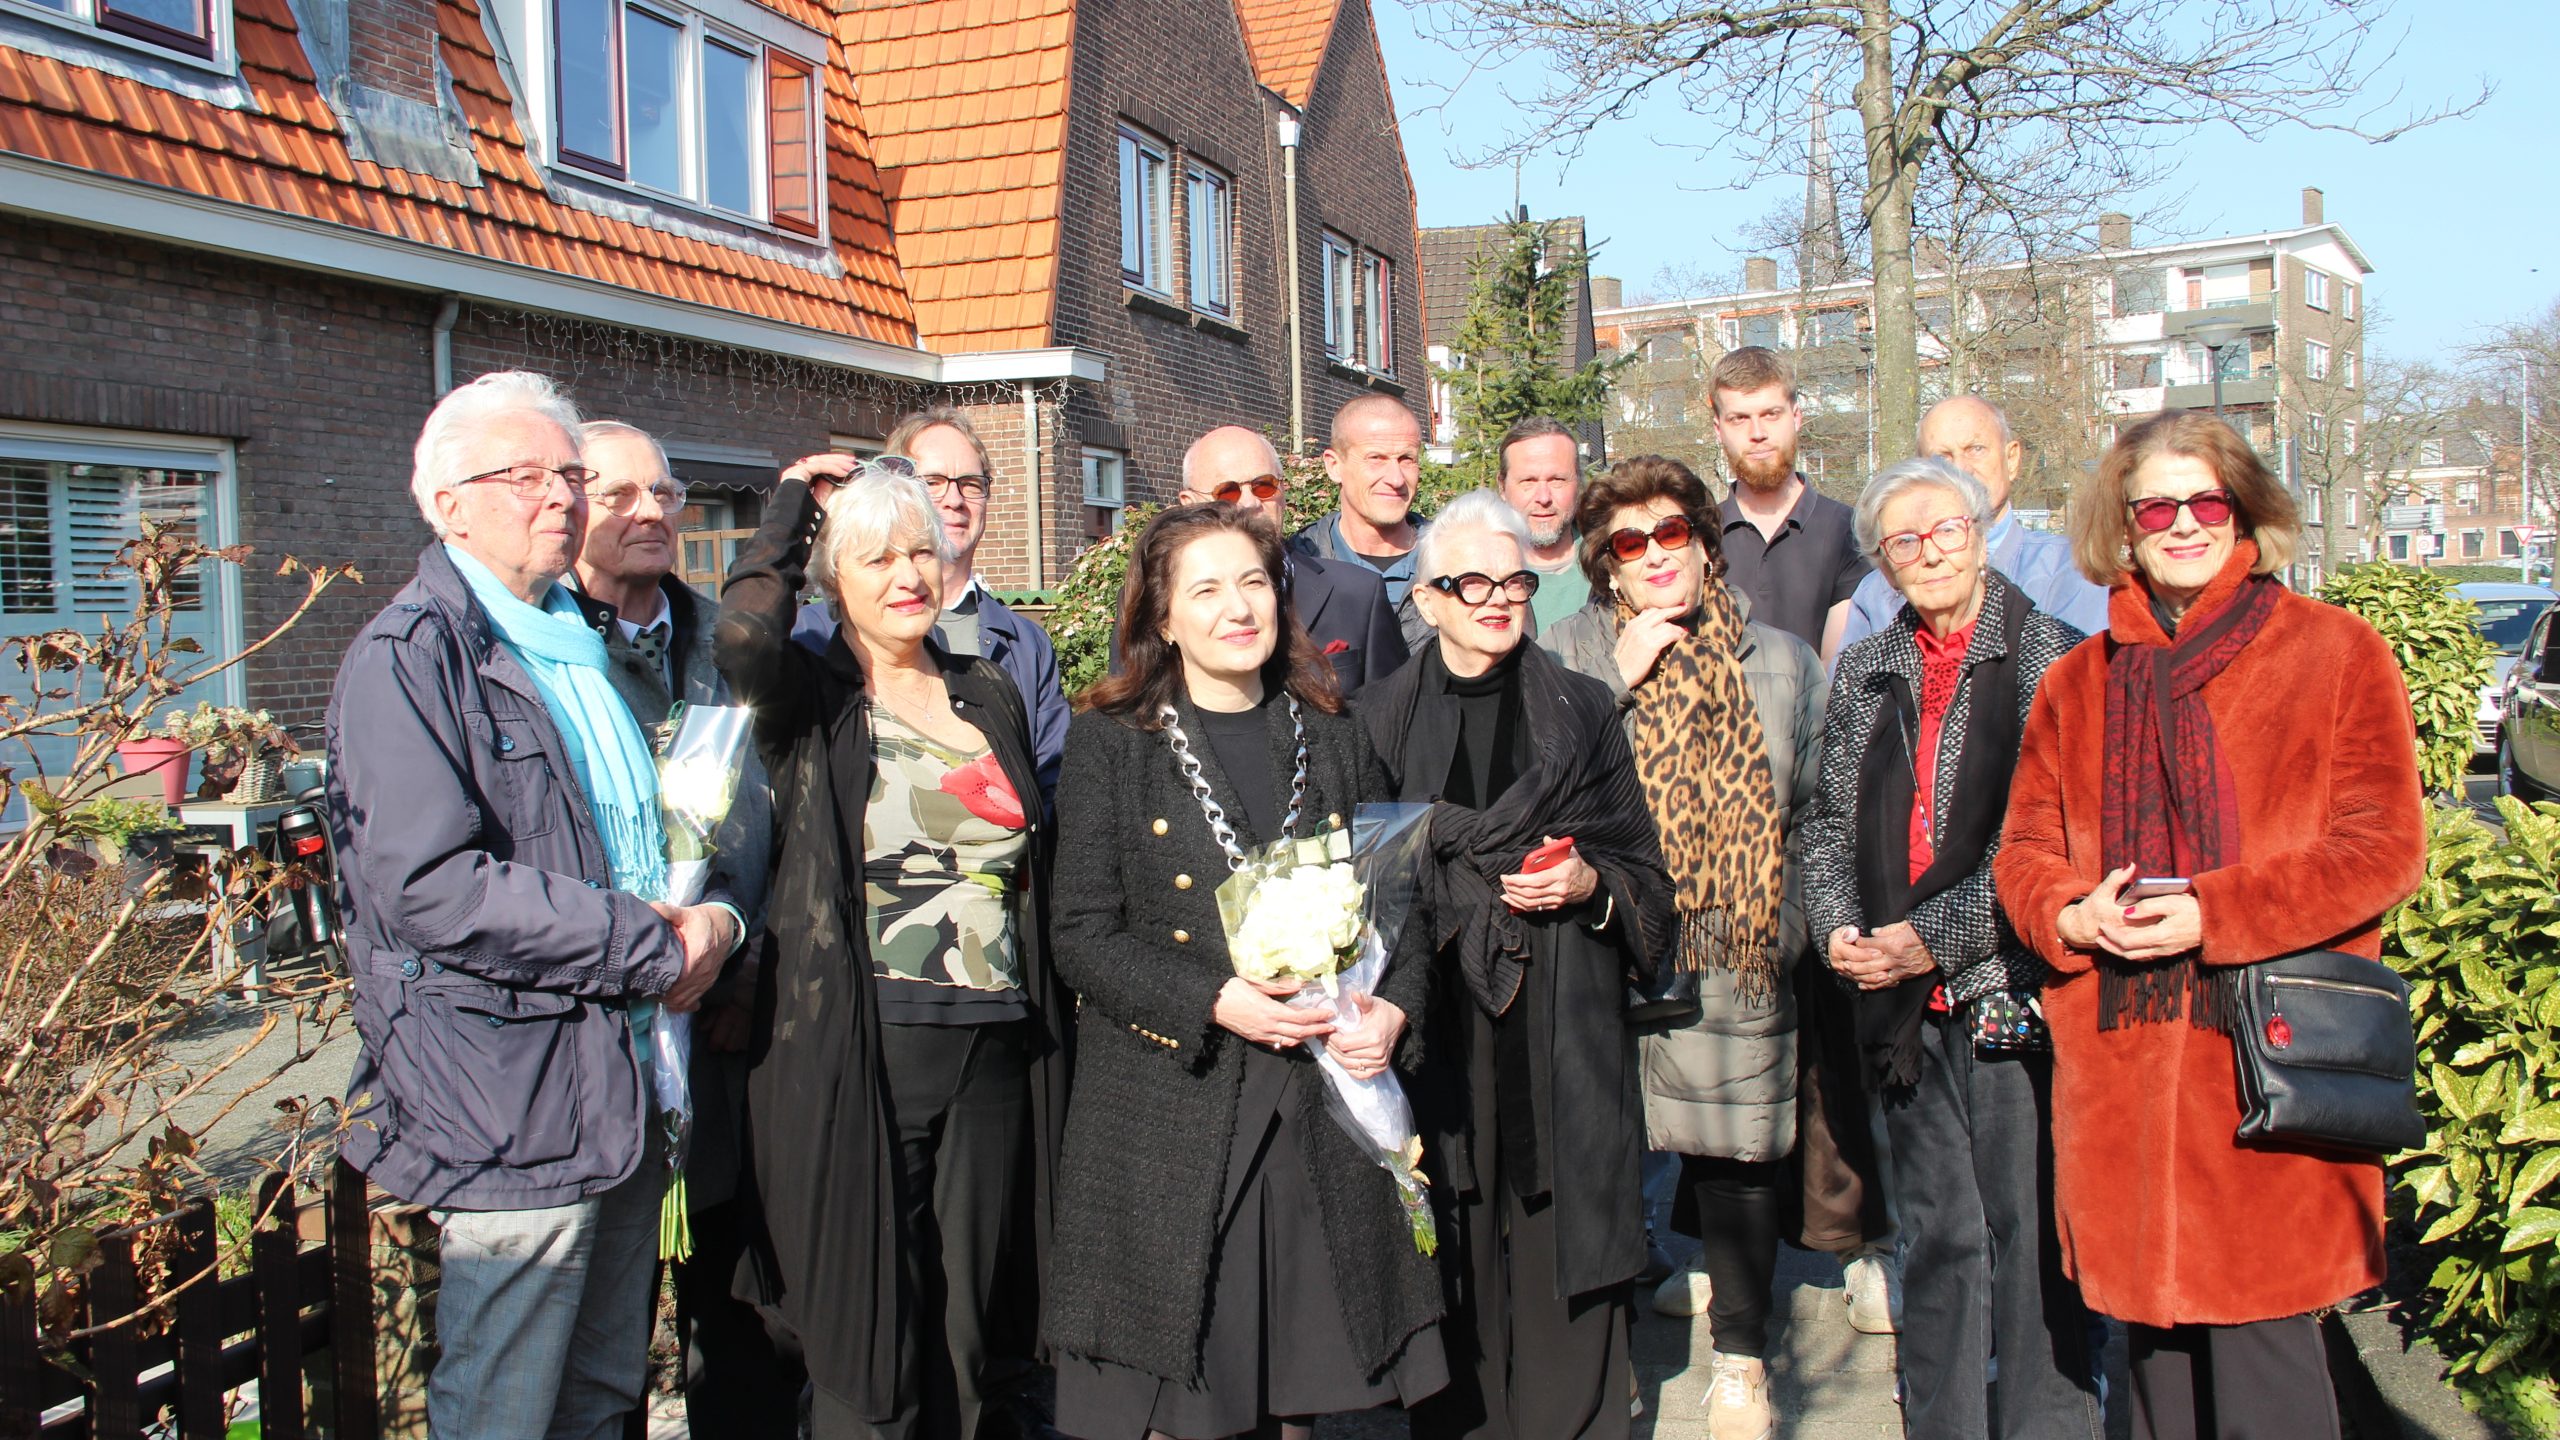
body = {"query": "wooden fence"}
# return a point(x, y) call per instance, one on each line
point(262, 1327)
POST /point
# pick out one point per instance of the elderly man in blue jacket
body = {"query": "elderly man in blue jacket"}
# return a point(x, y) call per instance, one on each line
point(957, 472)
point(495, 809)
point(1975, 435)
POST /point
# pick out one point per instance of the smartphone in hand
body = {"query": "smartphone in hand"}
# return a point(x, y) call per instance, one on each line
point(2152, 887)
point(1548, 855)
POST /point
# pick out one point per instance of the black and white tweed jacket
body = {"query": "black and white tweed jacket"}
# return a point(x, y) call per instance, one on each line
point(1962, 925)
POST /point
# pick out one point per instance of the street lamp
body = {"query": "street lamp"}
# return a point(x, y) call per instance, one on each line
point(2217, 336)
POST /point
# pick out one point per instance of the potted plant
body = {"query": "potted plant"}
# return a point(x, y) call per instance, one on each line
point(135, 831)
point(242, 750)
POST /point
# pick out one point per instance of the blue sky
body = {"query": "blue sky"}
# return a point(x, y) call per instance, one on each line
point(2461, 221)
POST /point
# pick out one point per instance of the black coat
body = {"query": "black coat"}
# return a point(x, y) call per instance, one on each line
point(821, 1147)
point(1344, 607)
point(1143, 1179)
point(1590, 1135)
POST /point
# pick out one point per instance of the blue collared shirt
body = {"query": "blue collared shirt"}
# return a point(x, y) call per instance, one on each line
point(2035, 562)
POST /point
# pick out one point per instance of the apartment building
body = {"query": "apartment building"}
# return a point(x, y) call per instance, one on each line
point(2459, 497)
point(2074, 349)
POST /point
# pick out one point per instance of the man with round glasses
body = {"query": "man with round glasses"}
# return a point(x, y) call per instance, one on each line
point(947, 455)
point(1344, 607)
point(657, 633)
point(1972, 433)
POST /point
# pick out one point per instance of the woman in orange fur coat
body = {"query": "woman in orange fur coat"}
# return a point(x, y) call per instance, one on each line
point(2227, 730)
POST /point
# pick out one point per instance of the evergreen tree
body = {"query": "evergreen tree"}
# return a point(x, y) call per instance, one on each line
point(1513, 352)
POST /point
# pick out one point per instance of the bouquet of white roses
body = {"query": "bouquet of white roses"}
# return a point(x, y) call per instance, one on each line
point(1325, 912)
point(698, 774)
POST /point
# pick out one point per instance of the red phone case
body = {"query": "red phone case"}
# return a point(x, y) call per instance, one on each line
point(1551, 853)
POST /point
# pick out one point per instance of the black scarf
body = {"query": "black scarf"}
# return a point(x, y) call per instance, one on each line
point(1889, 1020)
point(1567, 788)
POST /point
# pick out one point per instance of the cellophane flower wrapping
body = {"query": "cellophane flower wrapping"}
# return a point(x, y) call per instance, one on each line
point(699, 770)
point(1326, 912)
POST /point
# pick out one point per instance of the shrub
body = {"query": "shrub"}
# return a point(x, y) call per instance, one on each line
point(2435, 635)
point(2480, 946)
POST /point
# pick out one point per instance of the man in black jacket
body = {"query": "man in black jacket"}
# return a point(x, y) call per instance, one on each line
point(1344, 607)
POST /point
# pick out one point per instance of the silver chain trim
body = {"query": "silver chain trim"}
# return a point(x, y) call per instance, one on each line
point(1210, 809)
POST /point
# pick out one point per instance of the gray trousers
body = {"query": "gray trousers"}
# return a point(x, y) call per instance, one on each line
point(1981, 1272)
point(543, 1316)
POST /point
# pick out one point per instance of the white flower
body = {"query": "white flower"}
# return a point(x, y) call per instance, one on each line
point(1298, 924)
point(695, 792)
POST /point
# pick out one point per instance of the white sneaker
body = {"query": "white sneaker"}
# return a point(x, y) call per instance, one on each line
point(1686, 1292)
point(1874, 1286)
point(1738, 1400)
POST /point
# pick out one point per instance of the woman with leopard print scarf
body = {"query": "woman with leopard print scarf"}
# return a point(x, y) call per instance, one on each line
point(1725, 717)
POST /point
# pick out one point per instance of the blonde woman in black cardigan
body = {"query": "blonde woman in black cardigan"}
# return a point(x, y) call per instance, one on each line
point(1227, 1260)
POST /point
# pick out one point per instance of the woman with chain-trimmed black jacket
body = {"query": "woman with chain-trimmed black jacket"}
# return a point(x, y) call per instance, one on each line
point(1224, 1253)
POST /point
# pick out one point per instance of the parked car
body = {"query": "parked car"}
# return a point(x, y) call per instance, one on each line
point(2507, 616)
point(2529, 739)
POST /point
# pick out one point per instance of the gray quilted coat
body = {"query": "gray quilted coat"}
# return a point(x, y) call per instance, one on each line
point(1725, 1084)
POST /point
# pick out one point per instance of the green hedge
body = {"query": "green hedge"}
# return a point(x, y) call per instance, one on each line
point(2435, 635)
point(2480, 946)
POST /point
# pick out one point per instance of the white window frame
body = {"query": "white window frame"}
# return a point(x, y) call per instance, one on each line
point(2346, 301)
point(1209, 207)
point(1377, 312)
point(532, 33)
point(2315, 360)
point(2347, 432)
point(2475, 544)
point(2315, 288)
point(2431, 452)
point(1105, 477)
point(2347, 368)
point(1340, 280)
point(2399, 544)
point(222, 586)
point(222, 53)
point(1146, 218)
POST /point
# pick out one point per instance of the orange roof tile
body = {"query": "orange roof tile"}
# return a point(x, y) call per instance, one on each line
point(1287, 40)
point(289, 155)
point(960, 100)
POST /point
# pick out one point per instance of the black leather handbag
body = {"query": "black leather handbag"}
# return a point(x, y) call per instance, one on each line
point(2326, 1054)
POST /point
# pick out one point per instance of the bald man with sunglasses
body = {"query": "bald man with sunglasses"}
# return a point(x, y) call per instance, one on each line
point(1344, 607)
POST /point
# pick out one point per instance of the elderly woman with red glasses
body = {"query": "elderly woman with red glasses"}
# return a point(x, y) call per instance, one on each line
point(2254, 749)
point(1919, 744)
point(1725, 718)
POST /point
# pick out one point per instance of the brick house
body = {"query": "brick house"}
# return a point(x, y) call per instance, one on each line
point(1114, 177)
point(1451, 256)
point(244, 244)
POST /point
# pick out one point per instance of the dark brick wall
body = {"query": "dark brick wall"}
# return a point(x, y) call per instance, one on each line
point(322, 383)
point(391, 45)
point(1177, 70)
point(1352, 180)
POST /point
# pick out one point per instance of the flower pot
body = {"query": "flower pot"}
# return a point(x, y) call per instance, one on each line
point(169, 759)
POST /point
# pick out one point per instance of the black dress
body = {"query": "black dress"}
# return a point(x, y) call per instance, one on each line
point(1274, 1343)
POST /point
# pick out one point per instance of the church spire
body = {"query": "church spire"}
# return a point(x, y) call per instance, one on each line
point(1820, 256)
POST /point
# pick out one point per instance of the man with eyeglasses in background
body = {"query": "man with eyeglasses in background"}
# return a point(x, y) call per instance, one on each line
point(1973, 433)
point(1344, 607)
point(657, 633)
point(953, 464)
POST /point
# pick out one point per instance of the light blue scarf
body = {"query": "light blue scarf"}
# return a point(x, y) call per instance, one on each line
point(611, 757)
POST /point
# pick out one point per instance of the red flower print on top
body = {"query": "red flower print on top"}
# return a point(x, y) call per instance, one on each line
point(983, 790)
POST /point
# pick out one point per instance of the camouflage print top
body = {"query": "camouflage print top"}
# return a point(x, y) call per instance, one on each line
point(942, 836)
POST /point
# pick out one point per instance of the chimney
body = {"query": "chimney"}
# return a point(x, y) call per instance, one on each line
point(1760, 272)
point(2115, 230)
point(2312, 208)
point(1608, 292)
point(391, 47)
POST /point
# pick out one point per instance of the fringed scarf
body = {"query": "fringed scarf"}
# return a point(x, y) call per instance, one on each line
point(2170, 807)
point(1704, 760)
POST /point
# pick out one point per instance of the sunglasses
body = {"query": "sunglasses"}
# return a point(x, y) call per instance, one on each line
point(1672, 533)
point(1474, 588)
point(1264, 487)
point(2155, 513)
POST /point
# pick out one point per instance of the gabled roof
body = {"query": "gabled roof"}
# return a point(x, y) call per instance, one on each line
point(1287, 39)
point(289, 155)
point(1449, 256)
point(966, 108)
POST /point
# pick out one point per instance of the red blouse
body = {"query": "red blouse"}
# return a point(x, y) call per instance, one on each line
point(1941, 666)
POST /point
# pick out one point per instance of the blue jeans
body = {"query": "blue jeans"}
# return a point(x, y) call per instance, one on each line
point(543, 1316)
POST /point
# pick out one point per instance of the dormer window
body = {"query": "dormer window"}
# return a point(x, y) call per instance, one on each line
point(194, 28)
point(673, 101)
